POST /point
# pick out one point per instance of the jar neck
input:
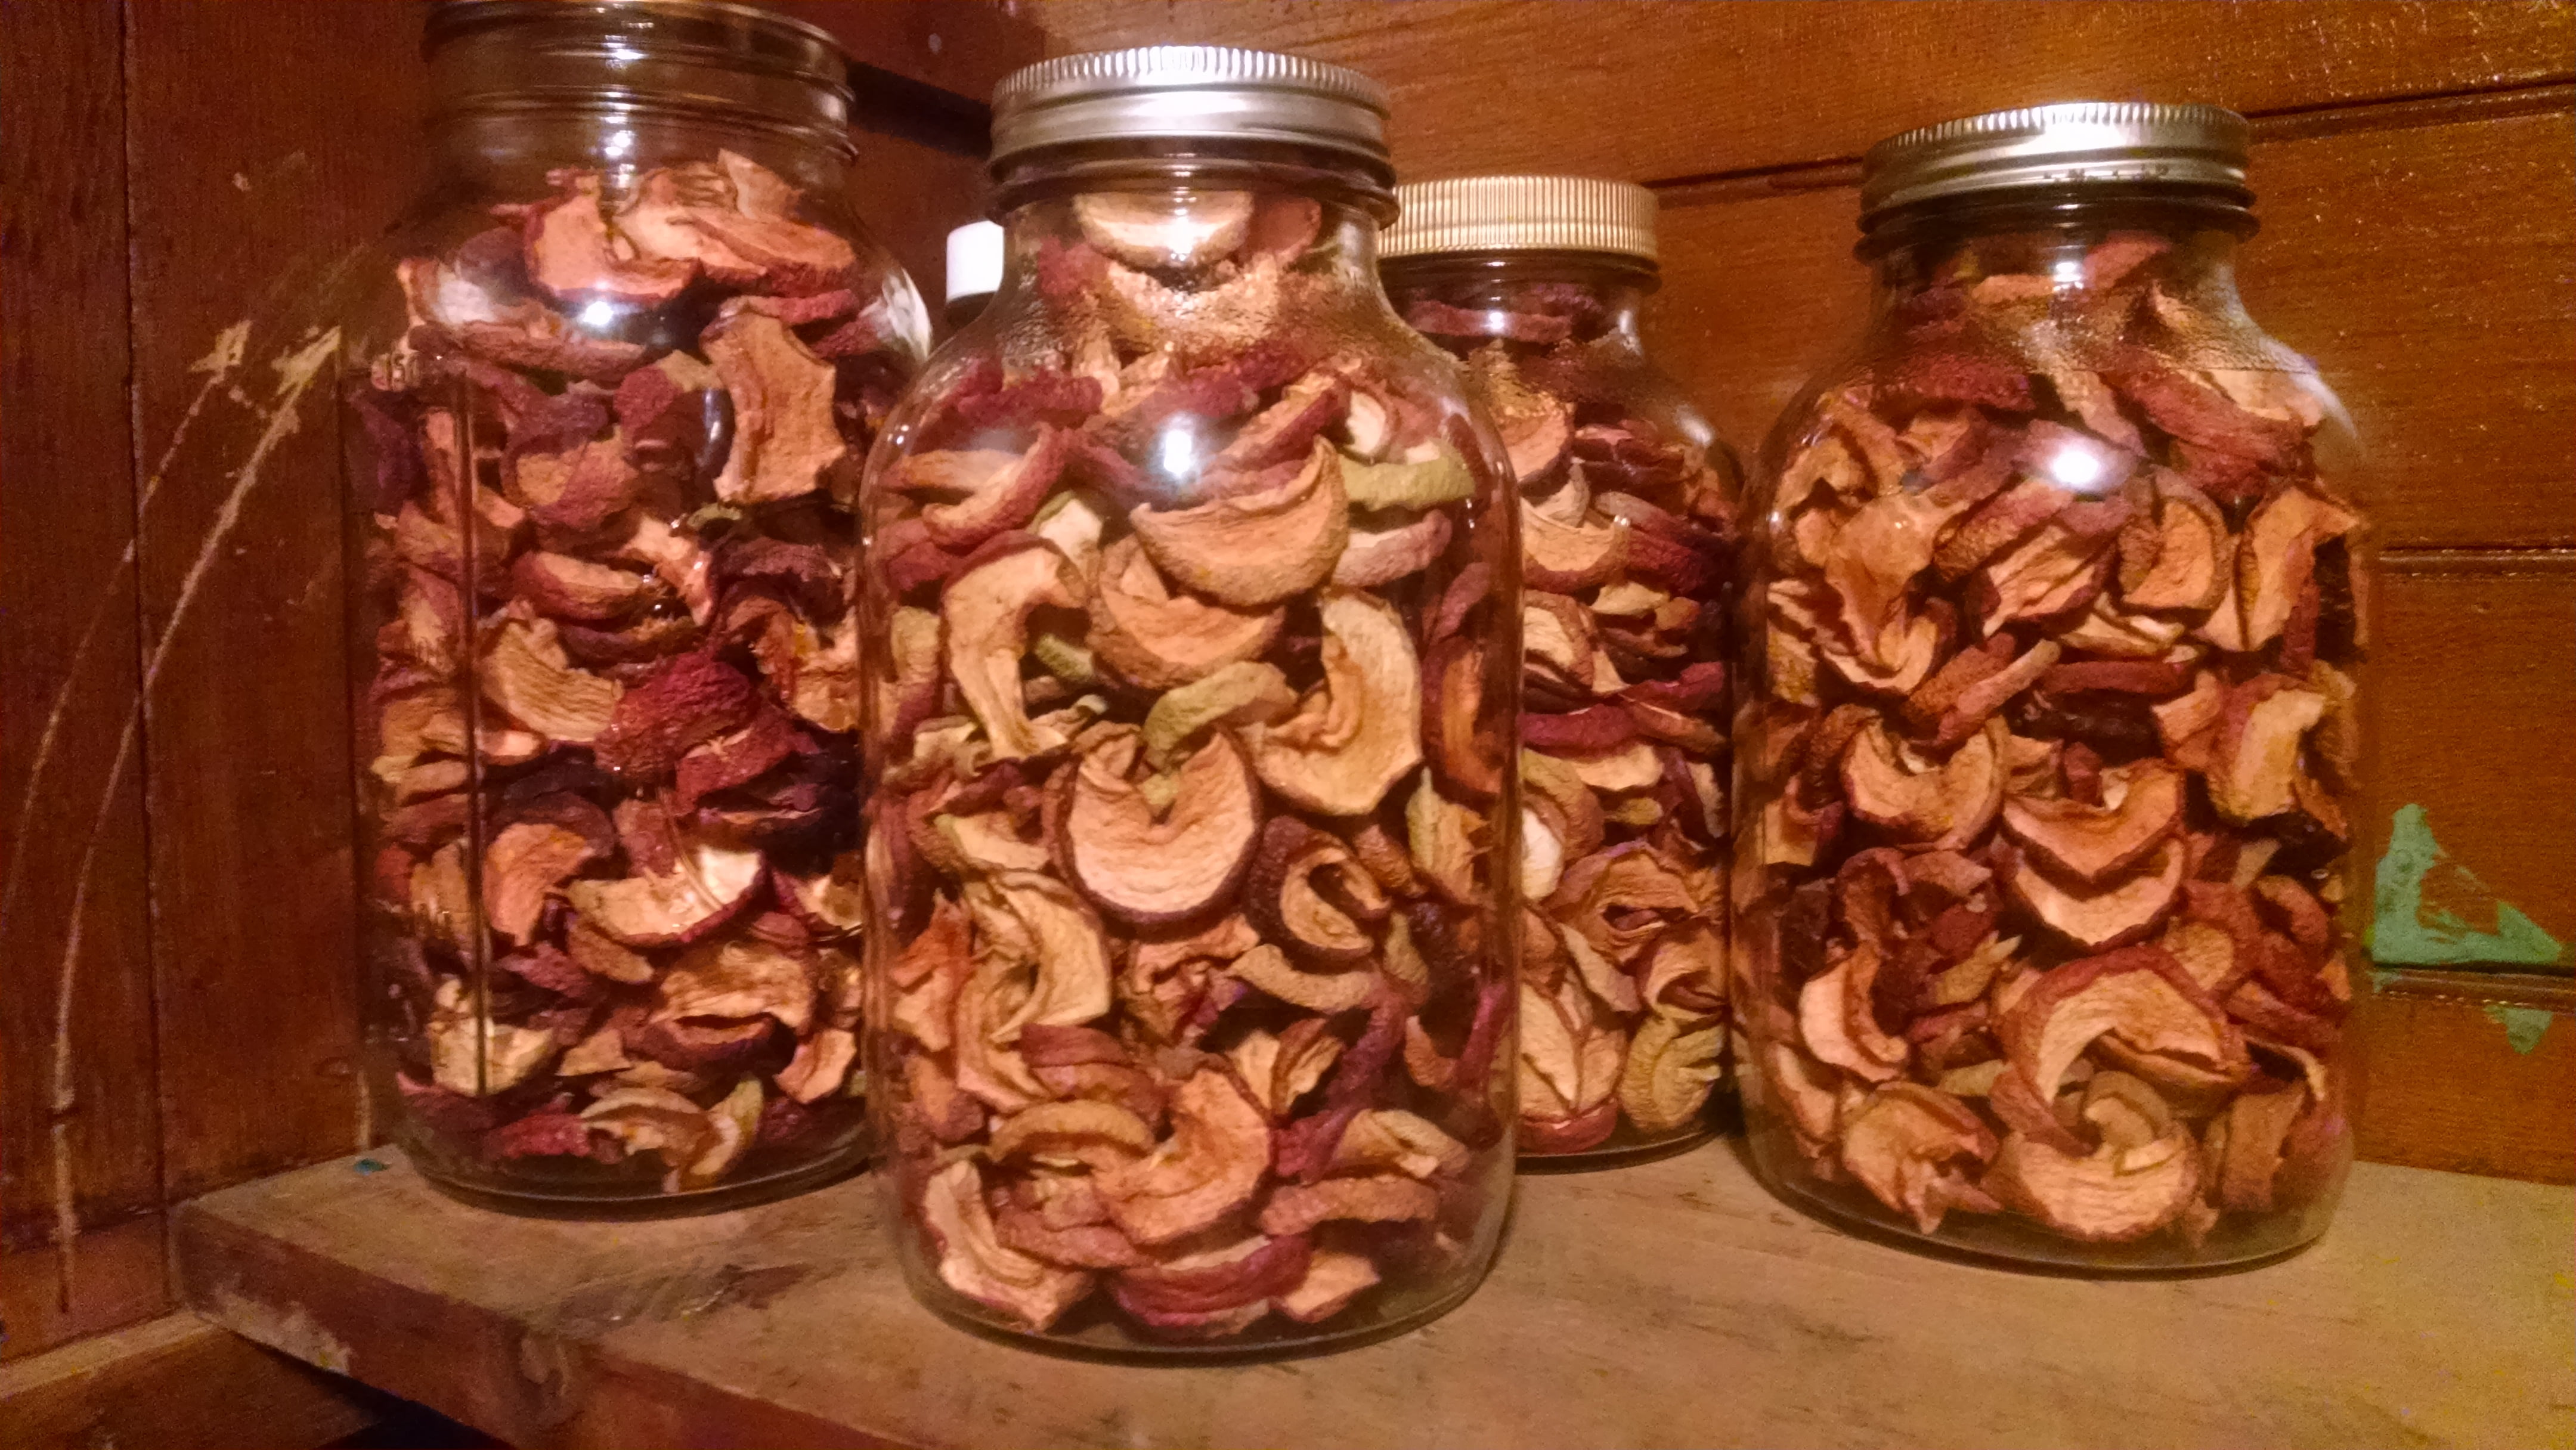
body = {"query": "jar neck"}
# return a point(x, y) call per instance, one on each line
point(1264, 169)
point(1606, 293)
point(503, 151)
point(1961, 241)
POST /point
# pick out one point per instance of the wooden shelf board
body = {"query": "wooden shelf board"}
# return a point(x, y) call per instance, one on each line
point(1674, 1302)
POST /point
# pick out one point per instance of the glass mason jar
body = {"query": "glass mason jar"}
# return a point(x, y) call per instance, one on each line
point(1194, 571)
point(2045, 896)
point(1628, 529)
point(609, 395)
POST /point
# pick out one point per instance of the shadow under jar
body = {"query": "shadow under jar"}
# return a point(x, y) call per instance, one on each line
point(1628, 532)
point(2044, 885)
point(1188, 742)
point(610, 390)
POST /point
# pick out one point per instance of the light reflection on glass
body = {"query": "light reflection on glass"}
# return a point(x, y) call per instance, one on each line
point(599, 313)
point(2074, 466)
point(2067, 272)
point(1179, 452)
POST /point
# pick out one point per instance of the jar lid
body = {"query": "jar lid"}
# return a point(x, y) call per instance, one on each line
point(1190, 92)
point(1522, 214)
point(2076, 143)
point(974, 260)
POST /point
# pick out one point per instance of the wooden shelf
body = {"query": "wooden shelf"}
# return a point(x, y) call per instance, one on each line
point(1673, 1303)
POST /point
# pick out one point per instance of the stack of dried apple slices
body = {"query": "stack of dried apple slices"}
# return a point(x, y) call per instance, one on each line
point(1185, 757)
point(611, 751)
point(1628, 555)
point(2041, 842)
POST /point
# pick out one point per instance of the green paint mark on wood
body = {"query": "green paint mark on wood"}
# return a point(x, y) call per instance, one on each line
point(2410, 927)
point(2522, 1025)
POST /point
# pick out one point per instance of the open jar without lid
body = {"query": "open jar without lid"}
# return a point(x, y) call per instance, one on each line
point(2047, 762)
point(609, 389)
point(1189, 742)
point(1628, 527)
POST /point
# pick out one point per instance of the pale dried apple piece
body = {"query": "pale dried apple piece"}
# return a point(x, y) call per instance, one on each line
point(974, 1261)
point(2139, 995)
point(988, 610)
point(1157, 230)
point(1905, 1145)
point(2108, 1196)
point(2173, 552)
point(469, 1053)
point(1145, 864)
point(706, 886)
point(1094, 1135)
point(1360, 731)
point(525, 671)
point(1287, 896)
point(572, 253)
point(1333, 1279)
point(821, 1065)
point(521, 868)
point(736, 979)
point(2277, 558)
point(2141, 806)
point(1392, 1139)
point(2103, 914)
point(2254, 766)
point(1443, 838)
point(1211, 1165)
point(1031, 918)
point(1257, 549)
point(1669, 1073)
point(1281, 1068)
point(784, 434)
point(1943, 806)
point(1295, 1208)
point(1161, 640)
point(1825, 1018)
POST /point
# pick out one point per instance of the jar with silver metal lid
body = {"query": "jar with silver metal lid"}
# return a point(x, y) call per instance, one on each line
point(2046, 890)
point(1628, 526)
point(1189, 735)
point(609, 387)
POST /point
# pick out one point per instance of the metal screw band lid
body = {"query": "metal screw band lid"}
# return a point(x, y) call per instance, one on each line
point(1522, 214)
point(2073, 143)
point(1190, 92)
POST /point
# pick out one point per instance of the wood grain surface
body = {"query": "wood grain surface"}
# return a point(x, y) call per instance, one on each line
point(1663, 91)
point(1674, 1302)
point(80, 1138)
point(174, 1383)
point(2470, 1072)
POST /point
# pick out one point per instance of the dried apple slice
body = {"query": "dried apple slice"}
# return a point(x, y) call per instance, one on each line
point(705, 887)
point(1215, 1159)
point(1944, 806)
point(1156, 230)
point(1570, 557)
point(1255, 549)
point(988, 611)
point(2142, 805)
point(979, 492)
point(1144, 864)
point(1826, 1016)
point(1360, 731)
point(737, 980)
point(2254, 766)
point(1161, 640)
point(2103, 914)
point(2139, 995)
point(471, 1054)
point(1219, 1290)
point(1379, 556)
point(1245, 693)
point(1906, 1145)
point(1031, 918)
point(2277, 558)
point(2111, 1195)
point(522, 867)
point(974, 1261)
point(784, 434)
point(1295, 1208)
point(1669, 1073)
point(1310, 894)
point(2174, 555)
point(525, 671)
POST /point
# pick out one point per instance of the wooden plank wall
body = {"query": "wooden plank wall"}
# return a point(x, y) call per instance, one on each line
point(2417, 171)
point(177, 1001)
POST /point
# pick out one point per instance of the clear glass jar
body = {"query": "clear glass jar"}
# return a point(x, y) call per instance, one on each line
point(1628, 534)
point(609, 392)
point(1187, 744)
point(2045, 901)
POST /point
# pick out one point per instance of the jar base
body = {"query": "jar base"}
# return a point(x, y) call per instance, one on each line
point(609, 1205)
point(2005, 1241)
point(1097, 1334)
point(1623, 1149)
